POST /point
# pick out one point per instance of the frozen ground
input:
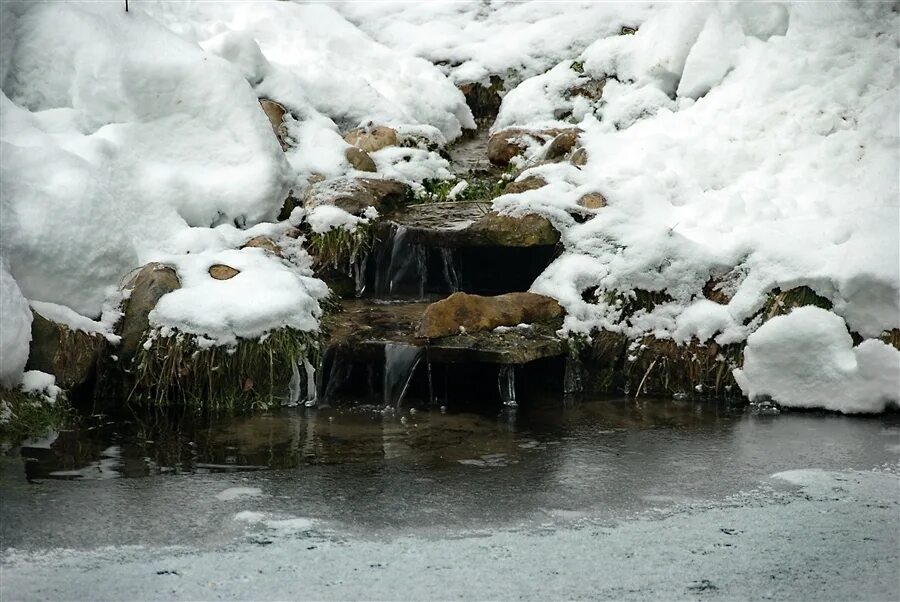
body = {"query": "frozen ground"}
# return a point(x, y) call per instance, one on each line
point(604, 500)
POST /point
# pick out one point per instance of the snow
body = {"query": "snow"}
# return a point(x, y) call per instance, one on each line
point(473, 40)
point(753, 143)
point(328, 217)
point(116, 135)
point(806, 359)
point(15, 329)
point(344, 73)
point(64, 315)
point(41, 384)
point(783, 172)
point(267, 294)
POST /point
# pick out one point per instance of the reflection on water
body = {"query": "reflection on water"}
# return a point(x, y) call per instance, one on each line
point(153, 444)
point(368, 471)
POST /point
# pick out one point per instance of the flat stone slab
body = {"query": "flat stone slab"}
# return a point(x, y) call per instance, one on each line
point(365, 326)
point(471, 224)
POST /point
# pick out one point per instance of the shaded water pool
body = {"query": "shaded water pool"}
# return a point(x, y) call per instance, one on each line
point(150, 479)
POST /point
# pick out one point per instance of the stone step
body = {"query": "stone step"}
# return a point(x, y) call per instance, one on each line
point(365, 326)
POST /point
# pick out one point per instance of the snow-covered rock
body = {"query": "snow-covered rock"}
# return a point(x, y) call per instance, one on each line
point(806, 359)
point(15, 329)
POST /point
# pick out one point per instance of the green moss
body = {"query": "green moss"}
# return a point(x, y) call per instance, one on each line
point(253, 374)
point(483, 188)
point(27, 415)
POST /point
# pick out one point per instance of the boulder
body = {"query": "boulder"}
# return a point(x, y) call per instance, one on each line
point(354, 195)
point(371, 139)
point(462, 312)
point(507, 231)
point(592, 200)
point(529, 183)
point(220, 271)
point(484, 100)
point(561, 145)
point(275, 112)
point(152, 282)
point(359, 159)
point(69, 355)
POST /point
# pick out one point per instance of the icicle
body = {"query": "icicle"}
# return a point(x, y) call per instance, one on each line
point(506, 383)
point(294, 386)
point(311, 396)
point(451, 277)
point(358, 269)
point(400, 363)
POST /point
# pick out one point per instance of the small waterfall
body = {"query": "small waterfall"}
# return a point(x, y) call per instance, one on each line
point(337, 376)
point(400, 363)
point(451, 276)
point(573, 380)
point(399, 263)
point(506, 383)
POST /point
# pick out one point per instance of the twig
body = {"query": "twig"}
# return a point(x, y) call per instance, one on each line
point(643, 380)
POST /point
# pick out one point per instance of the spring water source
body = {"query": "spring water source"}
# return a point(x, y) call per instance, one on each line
point(400, 363)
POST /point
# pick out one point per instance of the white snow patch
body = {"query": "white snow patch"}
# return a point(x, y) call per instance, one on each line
point(807, 359)
point(15, 329)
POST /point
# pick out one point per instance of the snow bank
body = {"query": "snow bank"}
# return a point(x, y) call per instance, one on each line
point(473, 40)
point(806, 359)
point(116, 134)
point(751, 143)
point(343, 72)
point(15, 329)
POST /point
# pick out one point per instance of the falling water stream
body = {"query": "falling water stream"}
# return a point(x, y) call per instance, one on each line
point(506, 383)
point(400, 363)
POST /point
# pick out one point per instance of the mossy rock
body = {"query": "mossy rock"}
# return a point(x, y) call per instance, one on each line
point(69, 355)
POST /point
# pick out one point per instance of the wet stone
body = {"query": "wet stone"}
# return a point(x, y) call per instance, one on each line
point(152, 282)
point(461, 224)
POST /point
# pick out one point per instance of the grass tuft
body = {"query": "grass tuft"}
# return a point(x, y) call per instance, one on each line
point(24, 415)
point(254, 374)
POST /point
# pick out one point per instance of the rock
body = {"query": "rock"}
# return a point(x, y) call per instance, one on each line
point(152, 282)
point(452, 225)
point(579, 158)
point(69, 355)
point(359, 159)
point(508, 143)
point(592, 200)
point(592, 89)
point(475, 313)
point(484, 101)
point(275, 112)
point(507, 231)
point(504, 145)
point(561, 145)
point(220, 271)
point(371, 139)
point(355, 195)
point(529, 183)
point(265, 243)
